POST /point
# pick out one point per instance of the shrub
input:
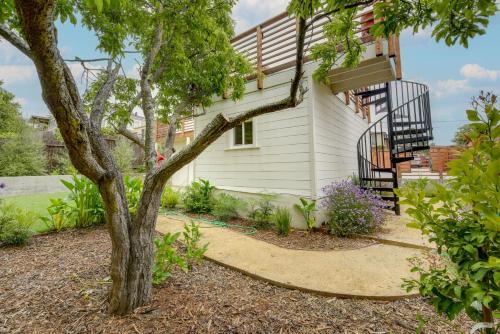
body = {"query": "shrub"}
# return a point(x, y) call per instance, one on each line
point(170, 198)
point(307, 209)
point(166, 258)
point(23, 154)
point(352, 210)
point(198, 197)
point(59, 215)
point(262, 210)
point(85, 206)
point(463, 220)
point(282, 220)
point(15, 224)
point(192, 236)
point(424, 183)
point(133, 189)
point(227, 207)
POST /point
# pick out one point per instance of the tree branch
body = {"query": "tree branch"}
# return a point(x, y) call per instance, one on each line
point(103, 94)
point(130, 135)
point(147, 97)
point(17, 41)
point(326, 14)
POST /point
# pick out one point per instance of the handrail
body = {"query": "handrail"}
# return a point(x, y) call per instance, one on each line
point(408, 121)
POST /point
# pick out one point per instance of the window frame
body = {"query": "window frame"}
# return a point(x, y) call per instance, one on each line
point(243, 145)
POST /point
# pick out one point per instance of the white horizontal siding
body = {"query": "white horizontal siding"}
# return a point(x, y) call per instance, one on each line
point(337, 129)
point(281, 161)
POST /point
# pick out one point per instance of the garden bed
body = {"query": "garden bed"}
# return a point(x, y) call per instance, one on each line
point(319, 239)
point(59, 283)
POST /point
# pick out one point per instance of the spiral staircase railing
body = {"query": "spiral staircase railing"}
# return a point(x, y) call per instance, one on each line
point(403, 127)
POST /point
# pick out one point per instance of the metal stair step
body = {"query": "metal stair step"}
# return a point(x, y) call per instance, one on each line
point(408, 148)
point(402, 124)
point(383, 169)
point(376, 102)
point(401, 159)
point(368, 93)
point(381, 189)
point(411, 139)
point(380, 179)
point(408, 131)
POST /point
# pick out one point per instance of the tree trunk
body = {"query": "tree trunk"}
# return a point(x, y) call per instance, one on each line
point(132, 245)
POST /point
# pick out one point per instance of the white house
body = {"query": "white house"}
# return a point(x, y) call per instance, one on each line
point(296, 152)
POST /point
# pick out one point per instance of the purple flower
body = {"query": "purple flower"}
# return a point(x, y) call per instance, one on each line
point(2, 185)
point(352, 210)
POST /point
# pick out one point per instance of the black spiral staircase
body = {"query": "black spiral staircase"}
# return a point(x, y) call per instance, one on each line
point(403, 126)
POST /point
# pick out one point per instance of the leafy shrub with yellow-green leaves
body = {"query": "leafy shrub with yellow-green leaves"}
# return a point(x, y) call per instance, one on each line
point(463, 220)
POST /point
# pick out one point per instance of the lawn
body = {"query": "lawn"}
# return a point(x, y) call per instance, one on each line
point(37, 203)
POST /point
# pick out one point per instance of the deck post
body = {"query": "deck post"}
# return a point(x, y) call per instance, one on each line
point(260, 79)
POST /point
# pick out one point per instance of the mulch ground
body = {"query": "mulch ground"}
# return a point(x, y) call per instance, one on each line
point(319, 239)
point(59, 282)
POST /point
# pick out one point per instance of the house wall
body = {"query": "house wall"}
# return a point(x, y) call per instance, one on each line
point(336, 130)
point(279, 162)
point(297, 151)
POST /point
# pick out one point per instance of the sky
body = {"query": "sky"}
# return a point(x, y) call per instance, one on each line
point(454, 74)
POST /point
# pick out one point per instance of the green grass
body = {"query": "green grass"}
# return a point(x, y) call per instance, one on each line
point(37, 203)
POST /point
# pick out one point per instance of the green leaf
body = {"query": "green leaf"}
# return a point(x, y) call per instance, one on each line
point(472, 115)
point(98, 4)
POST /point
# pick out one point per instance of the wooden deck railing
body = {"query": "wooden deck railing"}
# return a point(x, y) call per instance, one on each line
point(272, 47)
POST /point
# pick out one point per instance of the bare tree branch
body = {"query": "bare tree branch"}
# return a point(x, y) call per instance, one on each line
point(15, 40)
point(103, 94)
point(130, 136)
point(147, 97)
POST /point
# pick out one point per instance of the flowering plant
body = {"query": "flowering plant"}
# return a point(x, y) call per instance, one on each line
point(352, 210)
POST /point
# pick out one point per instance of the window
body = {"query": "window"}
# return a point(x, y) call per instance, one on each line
point(243, 134)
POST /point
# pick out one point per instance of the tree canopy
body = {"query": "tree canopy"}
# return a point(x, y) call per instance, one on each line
point(11, 120)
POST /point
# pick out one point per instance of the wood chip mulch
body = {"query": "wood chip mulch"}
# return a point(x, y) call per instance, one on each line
point(59, 282)
point(319, 239)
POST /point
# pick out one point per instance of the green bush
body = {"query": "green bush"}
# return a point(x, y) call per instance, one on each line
point(198, 197)
point(423, 183)
point(15, 224)
point(262, 210)
point(307, 209)
point(59, 215)
point(463, 220)
point(84, 203)
point(166, 258)
point(282, 220)
point(227, 207)
point(192, 236)
point(133, 189)
point(23, 154)
point(170, 198)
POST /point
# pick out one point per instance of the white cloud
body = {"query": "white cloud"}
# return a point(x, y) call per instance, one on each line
point(12, 74)
point(448, 87)
point(422, 34)
point(474, 71)
point(248, 13)
point(21, 101)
